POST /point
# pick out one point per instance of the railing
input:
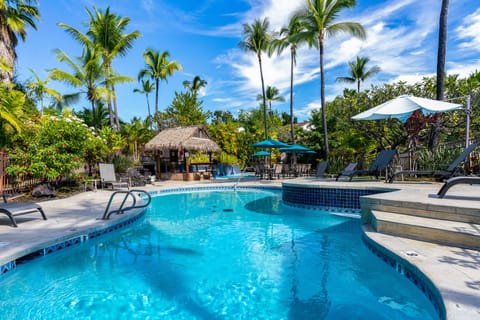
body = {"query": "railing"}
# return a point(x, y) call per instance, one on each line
point(121, 209)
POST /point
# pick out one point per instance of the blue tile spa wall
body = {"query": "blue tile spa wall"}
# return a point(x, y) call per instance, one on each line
point(325, 197)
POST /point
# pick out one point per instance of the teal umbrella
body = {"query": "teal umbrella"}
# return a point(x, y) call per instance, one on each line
point(296, 148)
point(270, 144)
point(261, 154)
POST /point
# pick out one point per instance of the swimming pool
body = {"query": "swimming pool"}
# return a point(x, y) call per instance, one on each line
point(217, 255)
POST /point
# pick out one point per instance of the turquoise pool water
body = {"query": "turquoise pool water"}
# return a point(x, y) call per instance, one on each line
point(216, 255)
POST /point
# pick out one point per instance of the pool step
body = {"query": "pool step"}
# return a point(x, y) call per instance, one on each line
point(443, 212)
point(448, 232)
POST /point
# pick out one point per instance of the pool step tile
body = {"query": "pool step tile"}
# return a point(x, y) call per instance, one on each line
point(453, 233)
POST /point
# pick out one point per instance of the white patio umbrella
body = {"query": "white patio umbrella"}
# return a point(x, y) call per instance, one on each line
point(402, 108)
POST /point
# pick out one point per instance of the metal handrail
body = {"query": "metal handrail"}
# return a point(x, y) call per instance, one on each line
point(121, 209)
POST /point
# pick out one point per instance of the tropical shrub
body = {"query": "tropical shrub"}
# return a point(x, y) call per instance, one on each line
point(54, 147)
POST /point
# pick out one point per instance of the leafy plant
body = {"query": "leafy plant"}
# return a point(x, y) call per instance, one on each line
point(53, 148)
point(229, 159)
point(437, 159)
point(122, 163)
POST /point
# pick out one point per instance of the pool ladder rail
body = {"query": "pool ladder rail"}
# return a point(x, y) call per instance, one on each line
point(130, 193)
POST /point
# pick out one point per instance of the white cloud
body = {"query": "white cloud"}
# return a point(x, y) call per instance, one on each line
point(401, 40)
point(469, 31)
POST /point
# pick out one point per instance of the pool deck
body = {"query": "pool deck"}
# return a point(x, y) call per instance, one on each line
point(454, 271)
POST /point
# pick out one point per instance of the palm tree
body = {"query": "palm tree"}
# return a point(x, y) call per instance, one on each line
point(137, 132)
point(158, 68)
point(15, 16)
point(195, 85)
point(106, 35)
point(319, 19)
point(11, 109)
point(87, 75)
point(271, 94)
point(101, 115)
point(288, 37)
point(39, 89)
point(442, 48)
point(147, 88)
point(358, 72)
point(257, 39)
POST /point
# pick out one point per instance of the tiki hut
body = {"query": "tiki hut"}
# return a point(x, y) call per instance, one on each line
point(173, 147)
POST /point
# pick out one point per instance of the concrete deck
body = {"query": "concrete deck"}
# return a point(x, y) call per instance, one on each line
point(454, 271)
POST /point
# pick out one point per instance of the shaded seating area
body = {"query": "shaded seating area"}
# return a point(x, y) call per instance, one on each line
point(455, 181)
point(17, 209)
point(107, 175)
point(452, 170)
point(378, 168)
point(175, 149)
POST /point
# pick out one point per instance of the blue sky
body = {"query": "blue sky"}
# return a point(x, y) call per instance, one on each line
point(203, 36)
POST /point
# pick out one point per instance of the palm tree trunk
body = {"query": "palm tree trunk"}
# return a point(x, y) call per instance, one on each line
point(292, 127)
point(94, 115)
point(322, 99)
point(157, 82)
point(7, 52)
point(115, 110)
point(264, 100)
point(109, 98)
point(442, 44)
point(148, 106)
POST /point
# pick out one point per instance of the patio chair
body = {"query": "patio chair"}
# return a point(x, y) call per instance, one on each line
point(17, 209)
point(347, 171)
point(107, 175)
point(471, 180)
point(452, 170)
point(378, 167)
point(276, 172)
point(321, 168)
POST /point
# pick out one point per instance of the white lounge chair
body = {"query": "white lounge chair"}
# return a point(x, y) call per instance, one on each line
point(107, 175)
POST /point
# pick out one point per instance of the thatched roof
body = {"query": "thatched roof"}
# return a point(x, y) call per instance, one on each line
point(188, 138)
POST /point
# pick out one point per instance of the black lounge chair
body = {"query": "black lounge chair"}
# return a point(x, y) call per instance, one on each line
point(457, 180)
point(18, 209)
point(378, 167)
point(451, 171)
point(321, 168)
point(347, 171)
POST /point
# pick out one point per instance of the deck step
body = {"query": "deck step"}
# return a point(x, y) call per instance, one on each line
point(467, 215)
point(453, 233)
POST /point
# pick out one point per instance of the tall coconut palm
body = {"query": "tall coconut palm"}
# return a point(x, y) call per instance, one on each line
point(147, 88)
point(15, 17)
point(319, 19)
point(358, 72)
point(158, 67)
point(442, 48)
point(257, 39)
point(271, 94)
point(288, 37)
point(106, 35)
point(87, 75)
point(195, 85)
